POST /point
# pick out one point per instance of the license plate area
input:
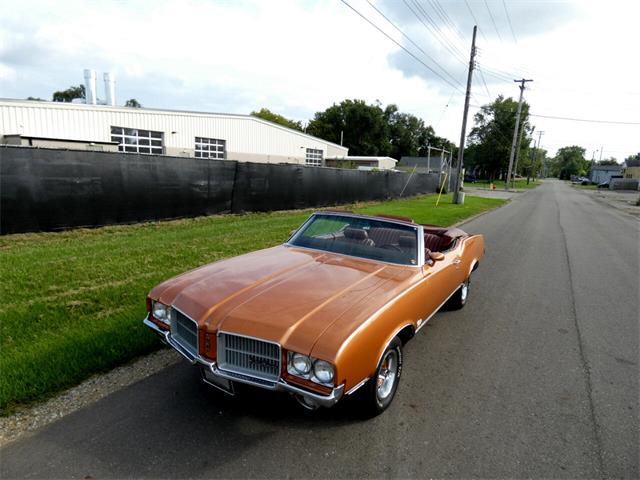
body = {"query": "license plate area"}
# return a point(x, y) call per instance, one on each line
point(218, 382)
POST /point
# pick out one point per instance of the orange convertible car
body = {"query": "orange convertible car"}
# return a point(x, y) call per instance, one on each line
point(323, 315)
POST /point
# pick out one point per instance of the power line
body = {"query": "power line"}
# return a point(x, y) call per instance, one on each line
point(476, 20)
point(504, 4)
point(492, 20)
point(433, 28)
point(613, 122)
point(439, 9)
point(414, 43)
point(500, 76)
point(552, 117)
point(437, 31)
point(400, 45)
point(484, 83)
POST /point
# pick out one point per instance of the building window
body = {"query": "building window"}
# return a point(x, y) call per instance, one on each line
point(314, 157)
point(210, 148)
point(132, 140)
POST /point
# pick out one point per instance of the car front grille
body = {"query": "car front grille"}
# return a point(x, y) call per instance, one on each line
point(185, 331)
point(248, 356)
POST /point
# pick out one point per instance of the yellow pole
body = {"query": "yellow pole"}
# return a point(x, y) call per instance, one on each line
point(441, 189)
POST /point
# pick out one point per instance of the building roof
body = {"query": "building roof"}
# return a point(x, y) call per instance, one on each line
point(613, 168)
point(84, 106)
point(359, 158)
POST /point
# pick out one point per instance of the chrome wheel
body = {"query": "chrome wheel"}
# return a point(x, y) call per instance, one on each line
point(387, 374)
point(381, 388)
point(464, 291)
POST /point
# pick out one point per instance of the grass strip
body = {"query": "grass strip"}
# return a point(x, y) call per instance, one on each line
point(518, 184)
point(73, 302)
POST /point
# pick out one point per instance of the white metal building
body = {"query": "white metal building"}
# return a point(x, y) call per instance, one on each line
point(363, 162)
point(155, 131)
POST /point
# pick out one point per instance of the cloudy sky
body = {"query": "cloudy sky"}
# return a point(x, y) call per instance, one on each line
point(299, 57)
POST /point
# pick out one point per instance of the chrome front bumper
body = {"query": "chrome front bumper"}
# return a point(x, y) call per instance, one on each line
point(211, 367)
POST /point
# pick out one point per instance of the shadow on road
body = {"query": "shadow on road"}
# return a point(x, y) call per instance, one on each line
point(173, 415)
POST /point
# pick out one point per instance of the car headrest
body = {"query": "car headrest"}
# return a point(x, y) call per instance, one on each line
point(407, 241)
point(355, 233)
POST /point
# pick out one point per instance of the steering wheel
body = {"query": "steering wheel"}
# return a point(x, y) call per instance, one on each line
point(388, 246)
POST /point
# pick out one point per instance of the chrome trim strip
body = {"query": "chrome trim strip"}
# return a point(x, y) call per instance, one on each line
point(322, 400)
point(359, 215)
point(421, 251)
point(426, 320)
point(356, 387)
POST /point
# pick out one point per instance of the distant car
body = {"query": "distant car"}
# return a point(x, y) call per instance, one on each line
point(603, 185)
point(322, 316)
point(585, 181)
point(470, 178)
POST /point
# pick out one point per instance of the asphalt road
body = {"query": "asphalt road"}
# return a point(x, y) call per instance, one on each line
point(536, 377)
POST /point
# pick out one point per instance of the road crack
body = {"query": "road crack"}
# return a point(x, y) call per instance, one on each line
point(583, 358)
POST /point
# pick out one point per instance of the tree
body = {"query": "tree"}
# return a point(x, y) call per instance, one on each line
point(633, 160)
point(532, 163)
point(491, 137)
point(69, 94)
point(267, 114)
point(608, 161)
point(570, 161)
point(409, 136)
point(364, 127)
point(133, 103)
point(370, 130)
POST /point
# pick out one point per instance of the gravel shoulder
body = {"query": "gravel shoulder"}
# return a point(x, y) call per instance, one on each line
point(623, 200)
point(99, 386)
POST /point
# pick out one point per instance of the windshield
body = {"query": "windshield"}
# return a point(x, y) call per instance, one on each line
point(360, 237)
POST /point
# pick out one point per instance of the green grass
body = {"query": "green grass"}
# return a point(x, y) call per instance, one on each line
point(73, 302)
point(519, 184)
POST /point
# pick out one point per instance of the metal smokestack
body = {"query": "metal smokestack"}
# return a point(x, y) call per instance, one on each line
point(110, 88)
point(90, 97)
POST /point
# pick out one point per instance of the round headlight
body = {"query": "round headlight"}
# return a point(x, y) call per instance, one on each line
point(323, 371)
point(301, 363)
point(161, 312)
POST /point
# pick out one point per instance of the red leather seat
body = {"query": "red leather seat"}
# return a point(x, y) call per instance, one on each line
point(357, 235)
point(384, 236)
point(432, 242)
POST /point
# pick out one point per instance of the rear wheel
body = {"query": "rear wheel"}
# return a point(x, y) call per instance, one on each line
point(381, 389)
point(459, 299)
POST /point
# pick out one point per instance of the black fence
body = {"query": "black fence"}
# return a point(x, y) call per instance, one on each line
point(47, 189)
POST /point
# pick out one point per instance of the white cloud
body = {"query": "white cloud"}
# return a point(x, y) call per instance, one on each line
point(299, 57)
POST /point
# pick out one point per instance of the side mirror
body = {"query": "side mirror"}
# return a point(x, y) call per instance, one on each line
point(436, 256)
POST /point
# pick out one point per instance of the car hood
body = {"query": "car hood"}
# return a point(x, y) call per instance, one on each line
point(284, 294)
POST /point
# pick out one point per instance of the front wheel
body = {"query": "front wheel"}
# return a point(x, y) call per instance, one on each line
point(382, 387)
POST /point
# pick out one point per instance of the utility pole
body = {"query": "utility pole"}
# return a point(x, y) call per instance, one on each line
point(515, 167)
point(601, 148)
point(457, 197)
point(540, 133)
point(515, 133)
